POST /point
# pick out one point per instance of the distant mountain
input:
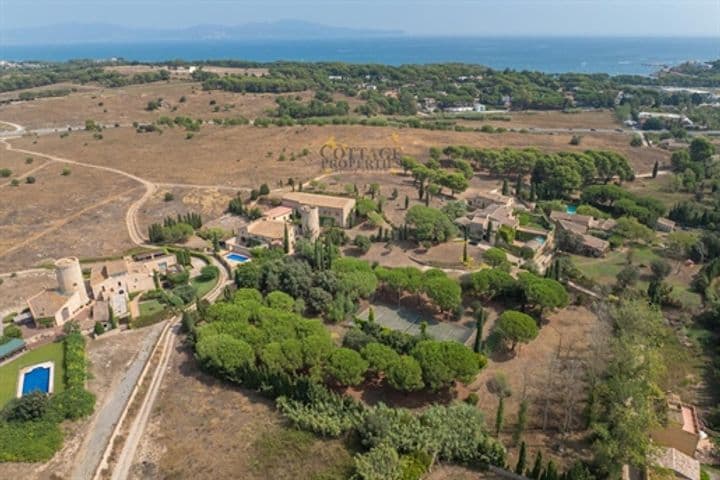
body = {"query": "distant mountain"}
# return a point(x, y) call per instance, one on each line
point(67, 33)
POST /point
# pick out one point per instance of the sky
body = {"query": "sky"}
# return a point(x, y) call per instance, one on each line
point(416, 17)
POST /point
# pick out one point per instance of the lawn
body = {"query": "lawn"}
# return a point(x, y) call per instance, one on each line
point(150, 307)
point(9, 372)
point(203, 287)
point(604, 271)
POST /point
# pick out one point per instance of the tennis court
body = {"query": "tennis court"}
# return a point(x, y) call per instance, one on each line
point(408, 321)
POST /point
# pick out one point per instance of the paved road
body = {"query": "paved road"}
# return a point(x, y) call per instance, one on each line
point(109, 414)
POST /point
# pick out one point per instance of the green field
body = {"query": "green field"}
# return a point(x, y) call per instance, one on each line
point(150, 307)
point(202, 288)
point(604, 271)
point(53, 352)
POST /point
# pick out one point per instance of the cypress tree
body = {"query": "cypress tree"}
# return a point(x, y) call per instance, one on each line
point(521, 423)
point(286, 240)
point(655, 169)
point(505, 187)
point(518, 186)
point(480, 316)
point(536, 472)
point(465, 252)
point(500, 416)
point(371, 315)
point(537, 469)
point(407, 202)
point(520, 467)
point(551, 472)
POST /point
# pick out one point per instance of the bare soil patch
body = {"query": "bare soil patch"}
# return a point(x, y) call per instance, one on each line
point(204, 429)
point(210, 203)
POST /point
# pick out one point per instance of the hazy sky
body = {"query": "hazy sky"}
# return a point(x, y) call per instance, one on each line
point(436, 17)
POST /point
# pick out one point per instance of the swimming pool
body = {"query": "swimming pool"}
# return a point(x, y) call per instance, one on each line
point(540, 240)
point(236, 257)
point(571, 209)
point(37, 379)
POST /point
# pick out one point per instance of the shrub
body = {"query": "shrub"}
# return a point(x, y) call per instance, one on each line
point(65, 172)
point(12, 331)
point(5, 172)
point(30, 180)
point(168, 197)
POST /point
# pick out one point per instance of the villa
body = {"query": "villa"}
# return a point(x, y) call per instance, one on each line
point(56, 306)
point(336, 209)
point(267, 233)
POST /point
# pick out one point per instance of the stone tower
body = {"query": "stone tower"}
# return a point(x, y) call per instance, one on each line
point(310, 217)
point(70, 278)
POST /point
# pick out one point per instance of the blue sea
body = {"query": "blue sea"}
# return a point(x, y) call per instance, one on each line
point(547, 54)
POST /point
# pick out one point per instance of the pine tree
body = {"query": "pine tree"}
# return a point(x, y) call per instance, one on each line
point(655, 169)
point(537, 469)
point(500, 416)
point(521, 422)
point(520, 467)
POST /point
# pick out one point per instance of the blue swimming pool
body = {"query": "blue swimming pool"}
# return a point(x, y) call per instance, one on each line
point(236, 257)
point(571, 209)
point(540, 240)
point(37, 379)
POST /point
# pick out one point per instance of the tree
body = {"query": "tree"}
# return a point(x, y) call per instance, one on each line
point(542, 293)
point(347, 367)
point(224, 353)
point(98, 329)
point(407, 202)
point(405, 374)
point(444, 292)
point(286, 239)
point(495, 257)
point(655, 169)
point(28, 408)
point(522, 459)
point(516, 327)
point(430, 224)
point(701, 150)
point(380, 463)
point(362, 242)
point(628, 277)
point(660, 268)
point(630, 229)
point(444, 362)
point(505, 187)
point(480, 317)
point(537, 469)
point(521, 422)
point(500, 415)
point(379, 356)
point(264, 189)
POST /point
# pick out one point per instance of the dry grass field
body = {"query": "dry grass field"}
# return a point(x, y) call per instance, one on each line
point(210, 203)
point(201, 428)
point(82, 214)
point(128, 104)
point(247, 156)
point(19, 164)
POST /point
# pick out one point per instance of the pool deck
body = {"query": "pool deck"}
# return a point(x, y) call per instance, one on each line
point(23, 371)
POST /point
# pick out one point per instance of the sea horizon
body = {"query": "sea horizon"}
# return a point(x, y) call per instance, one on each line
point(640, 55)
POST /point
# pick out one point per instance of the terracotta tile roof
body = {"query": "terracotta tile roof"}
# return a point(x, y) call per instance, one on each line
point(47, 303)
point(325, 201)
point(271, 229)
point(281, 211)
